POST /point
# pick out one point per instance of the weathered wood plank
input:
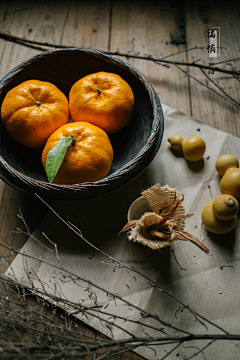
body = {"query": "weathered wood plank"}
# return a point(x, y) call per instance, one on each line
point(42, 21)
point(12, 203)
point(35, 20)
point(87, 25)
point(157, 29)
point(205, 105)
point(137, 26)
point(83, 24)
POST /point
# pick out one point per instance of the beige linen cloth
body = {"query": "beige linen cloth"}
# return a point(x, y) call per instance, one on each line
point(208, 284)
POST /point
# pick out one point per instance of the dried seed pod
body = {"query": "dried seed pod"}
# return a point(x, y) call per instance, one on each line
point(165, 221)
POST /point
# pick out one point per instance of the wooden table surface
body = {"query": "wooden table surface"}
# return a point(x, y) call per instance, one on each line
point(154, 28)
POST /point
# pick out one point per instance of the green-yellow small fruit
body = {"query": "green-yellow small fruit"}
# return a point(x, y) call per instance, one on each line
point(193, 148)
point(230, 183)
point(215, 225)
point(226, 162)
point(176, 142)
point(225, 207)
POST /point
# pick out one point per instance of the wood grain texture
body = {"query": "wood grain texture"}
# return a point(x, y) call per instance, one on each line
point(144, 27)
point(153, 28)
point(87, 25)
point(45, 21)
point(35, 20)
point(206, 106)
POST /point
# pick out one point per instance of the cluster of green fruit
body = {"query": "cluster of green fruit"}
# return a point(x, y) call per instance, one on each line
point(220, 216)
point(192, 149)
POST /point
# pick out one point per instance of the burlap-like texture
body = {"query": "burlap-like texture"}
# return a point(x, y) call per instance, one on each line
point(157, 197)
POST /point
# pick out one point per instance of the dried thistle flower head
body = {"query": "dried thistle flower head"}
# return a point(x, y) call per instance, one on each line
point(165, 221)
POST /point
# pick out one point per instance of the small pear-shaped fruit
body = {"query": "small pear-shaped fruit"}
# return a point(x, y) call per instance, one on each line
point(225, 207)
point(215, 225)
point(193, 148)
point(176, 142)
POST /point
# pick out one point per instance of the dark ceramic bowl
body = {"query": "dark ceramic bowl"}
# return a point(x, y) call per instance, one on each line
point(134, 146)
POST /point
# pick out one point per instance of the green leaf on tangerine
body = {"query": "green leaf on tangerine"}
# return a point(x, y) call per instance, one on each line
point(56, 155)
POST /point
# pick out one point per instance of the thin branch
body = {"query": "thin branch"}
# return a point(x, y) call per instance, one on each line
point(221, 89)
point(124, 265)
point(201, 350)
point(94, 285)
point(23, 41)
point(184, 51)
point(226, 61)
point(166, 339)
point(233, 102)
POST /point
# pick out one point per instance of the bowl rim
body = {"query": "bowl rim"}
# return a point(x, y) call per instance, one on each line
point(140, 202)
point(157, 127)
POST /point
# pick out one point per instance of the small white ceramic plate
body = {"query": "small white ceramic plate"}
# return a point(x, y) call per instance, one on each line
point(137, 209)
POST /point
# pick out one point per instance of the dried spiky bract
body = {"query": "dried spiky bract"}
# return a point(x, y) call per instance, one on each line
point(165, 221)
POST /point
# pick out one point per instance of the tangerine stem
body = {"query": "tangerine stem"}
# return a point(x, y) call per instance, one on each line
point(38, 103)
point(73, 141)
point(99, 91)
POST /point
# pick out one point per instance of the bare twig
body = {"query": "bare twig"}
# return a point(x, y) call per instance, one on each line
point(232, 101)
point(23, 41)
point(221, 89)
point(77, 232)
point(55, 336)
point(80, 347)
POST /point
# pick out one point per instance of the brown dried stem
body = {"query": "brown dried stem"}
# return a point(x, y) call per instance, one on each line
point(49, 342)
point(44, 46)
point(129, 267)
point(33, 44)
